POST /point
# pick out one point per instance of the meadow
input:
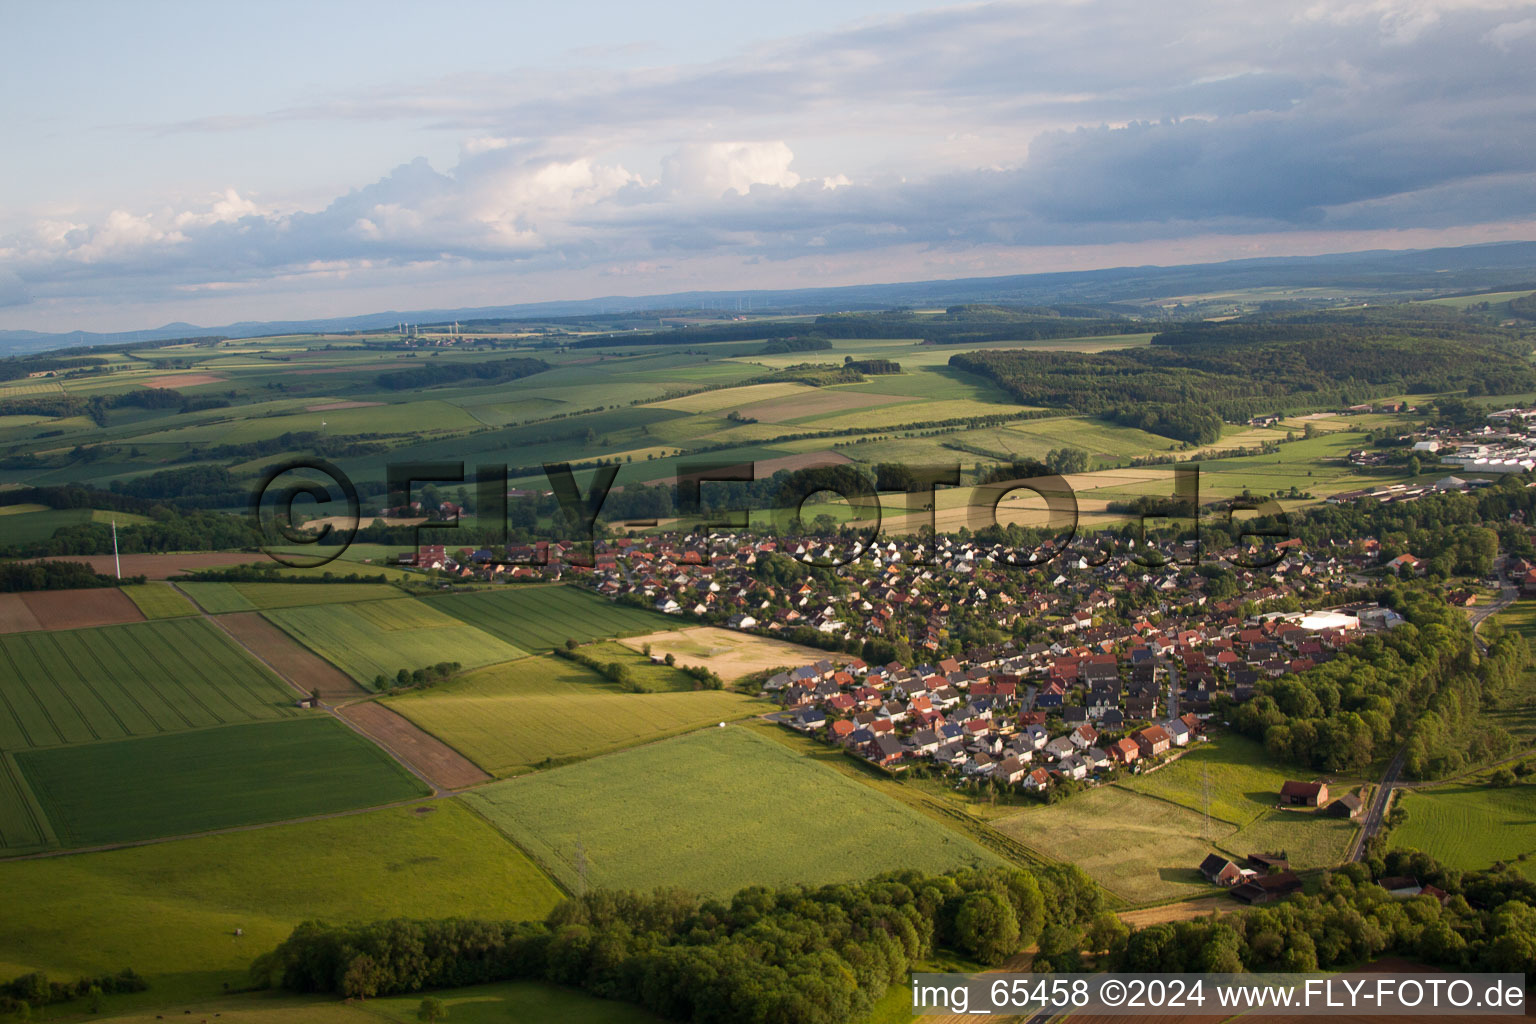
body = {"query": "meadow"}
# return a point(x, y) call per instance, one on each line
point(714, 811)
point(1470, 827)
point(728, 653)
point(1242, 782)
point(545, 710)
point(219, 598)
point(1139, 848)
point(145, 788)
point(370, 638)
point(79, 686)
point(1309, 840)
point(171, 910)
point(542, 617)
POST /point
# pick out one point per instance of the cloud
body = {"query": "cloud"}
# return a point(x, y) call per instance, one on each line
point(1026, 124)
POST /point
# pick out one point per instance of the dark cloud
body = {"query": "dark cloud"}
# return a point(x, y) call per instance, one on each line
point(1116, 122)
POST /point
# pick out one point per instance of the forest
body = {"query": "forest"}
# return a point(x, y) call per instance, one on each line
point(1196, 375)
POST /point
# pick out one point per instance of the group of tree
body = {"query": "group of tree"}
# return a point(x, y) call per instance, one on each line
point(32, 992)
point(17, 576)
point(439, 372)
point(1424, 680)
point(1487, 923)
point(429, 675)
point(1193, 377)
point(796, 955)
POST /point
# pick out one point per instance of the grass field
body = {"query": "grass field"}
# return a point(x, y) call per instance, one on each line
point(171, 910)
point(714, 811)
point(79, 686)
point(516, 717)
point(160, 601)
point(1470, 826)
point(145, 788)
point(1137, 847)
point(1308, 840)
point(541, 618)
point(369, 638)
point(507, 1003)
point(218, 598)
point(1243, 784)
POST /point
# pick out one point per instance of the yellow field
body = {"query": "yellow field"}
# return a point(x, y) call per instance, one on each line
point(725, 652)
point(731, 398)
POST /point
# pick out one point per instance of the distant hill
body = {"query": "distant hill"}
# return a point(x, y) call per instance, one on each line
point(1367, 275)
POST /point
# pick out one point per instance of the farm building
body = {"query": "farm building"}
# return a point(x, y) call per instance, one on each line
point(1347, 806)
point(1265, 888)
point(1266, 862)
point(1220, 871)
point(1304, 794)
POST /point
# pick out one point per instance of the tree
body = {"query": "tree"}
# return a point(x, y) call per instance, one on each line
point(94, 998)
point(986, 927)
point(431, 1010)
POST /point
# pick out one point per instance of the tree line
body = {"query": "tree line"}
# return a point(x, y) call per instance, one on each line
point(795, 955)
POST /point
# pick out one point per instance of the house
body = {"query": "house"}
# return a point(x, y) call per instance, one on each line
point(1264, 863)
point(1125, 751)
point(1153, 740)
point(1220, 871)
point(1264, 888)
point(885, 751)
point(1011, 770)
point(1304, 794)
point(1096, 758)
point(808, 719)
point(1347, 806)
point(1060, 747)
point(1037, 781)
point(1401, 886)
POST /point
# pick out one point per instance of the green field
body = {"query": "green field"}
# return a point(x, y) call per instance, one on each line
point(83, 685)
point(170, 910)
point(1243, 785)
point(218, 598)
point(541, 618)
point(1470, 827)
point(516, 717)
point(159, 600)
point(145, 788)
point(714, 811)
point(370, 638)
point(1139, 848)
point(1309, 840)
point(517, 1001)
point(23, 826)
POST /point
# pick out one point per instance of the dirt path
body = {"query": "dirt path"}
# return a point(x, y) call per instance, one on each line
point(443, 766)
point(304, 669)
point(422, 754)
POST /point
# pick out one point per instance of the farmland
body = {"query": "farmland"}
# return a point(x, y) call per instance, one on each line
point(1465, 826)
point(171, 909)
point(160, 601)
point(145, 788)
point(370, 638)
point(218, 598)
point(526, 714)
point(714, 811)
point(65, 609)
point(104, 684)
point(541, 618)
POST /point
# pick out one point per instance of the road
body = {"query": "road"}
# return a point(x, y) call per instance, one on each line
point(1378, 806)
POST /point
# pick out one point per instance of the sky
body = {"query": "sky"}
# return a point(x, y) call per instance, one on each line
point(214, 163)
